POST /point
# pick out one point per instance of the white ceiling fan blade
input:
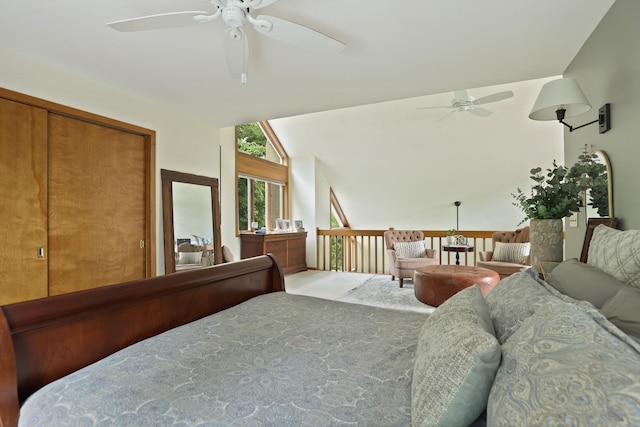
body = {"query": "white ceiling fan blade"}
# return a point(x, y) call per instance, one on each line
point(445, 116)
point(156, 22)
point(493, 98)
point(437, 106)
point(296, 34)
point(236, 49)
point(460, 95)
point(481, 112)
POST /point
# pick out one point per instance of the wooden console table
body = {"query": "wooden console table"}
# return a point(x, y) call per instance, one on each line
point(289, 248)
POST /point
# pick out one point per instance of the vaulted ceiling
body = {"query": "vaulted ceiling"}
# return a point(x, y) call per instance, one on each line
point(394, 50)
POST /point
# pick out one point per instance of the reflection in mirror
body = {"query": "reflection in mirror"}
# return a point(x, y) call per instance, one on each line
point(192, 225)
point(599, 197)
point(191, 221)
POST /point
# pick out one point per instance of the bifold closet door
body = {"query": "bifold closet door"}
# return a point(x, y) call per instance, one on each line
point(97, 209)
point(23, 195)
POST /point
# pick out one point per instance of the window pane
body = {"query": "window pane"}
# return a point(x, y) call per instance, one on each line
point(274, 207)
point(258, 202)
point(243, 203)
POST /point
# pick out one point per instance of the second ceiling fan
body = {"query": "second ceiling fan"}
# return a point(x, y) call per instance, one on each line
point(235, 13)
point(463, 102)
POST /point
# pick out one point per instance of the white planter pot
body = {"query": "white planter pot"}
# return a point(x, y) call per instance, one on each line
point(546, 240)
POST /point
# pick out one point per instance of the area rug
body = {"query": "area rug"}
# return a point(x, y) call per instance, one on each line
point(381, 291)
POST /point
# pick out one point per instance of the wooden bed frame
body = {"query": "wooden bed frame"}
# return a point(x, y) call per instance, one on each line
point(45, 339)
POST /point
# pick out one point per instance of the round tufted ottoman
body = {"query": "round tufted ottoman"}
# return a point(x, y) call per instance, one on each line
point(435, 284)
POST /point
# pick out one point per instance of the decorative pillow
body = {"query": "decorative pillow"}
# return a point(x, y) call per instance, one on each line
point(511, 252)
point(410, 249)
point(456, 361)
point(623, 310)
point(563, 368)
point(514, 299)
point(189, 257)
point(616, 252)
point(584, 282)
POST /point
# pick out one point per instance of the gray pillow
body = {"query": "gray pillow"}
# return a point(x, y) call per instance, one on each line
point(584, 282)
point(617, 253)
point(562, 368)
point(456, 361)
point(514, 299)
point(623, 310)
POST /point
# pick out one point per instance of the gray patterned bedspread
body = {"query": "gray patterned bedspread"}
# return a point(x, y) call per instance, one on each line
point(278, 359)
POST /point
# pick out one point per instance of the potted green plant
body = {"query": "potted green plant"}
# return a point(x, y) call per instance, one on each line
point(555, 195)
point(451, 236)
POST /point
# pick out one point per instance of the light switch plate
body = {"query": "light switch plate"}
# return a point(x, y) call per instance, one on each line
point(573, 220)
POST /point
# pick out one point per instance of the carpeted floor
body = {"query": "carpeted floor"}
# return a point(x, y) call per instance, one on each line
point(380, 291)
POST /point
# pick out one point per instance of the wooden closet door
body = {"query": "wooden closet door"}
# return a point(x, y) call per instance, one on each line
point(23, 195)
point(97, 209)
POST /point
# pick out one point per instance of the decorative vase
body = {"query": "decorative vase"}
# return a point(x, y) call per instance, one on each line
point(546, 240)
point(451, 240)
point(459, 239)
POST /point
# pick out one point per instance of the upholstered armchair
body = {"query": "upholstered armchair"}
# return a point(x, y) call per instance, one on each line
point(510, 252)
point(406, 252)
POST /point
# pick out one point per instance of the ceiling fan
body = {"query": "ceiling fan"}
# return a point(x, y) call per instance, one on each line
point(463, 102)
point(235, 13)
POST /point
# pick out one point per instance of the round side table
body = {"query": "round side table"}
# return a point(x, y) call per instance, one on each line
point(434, 284)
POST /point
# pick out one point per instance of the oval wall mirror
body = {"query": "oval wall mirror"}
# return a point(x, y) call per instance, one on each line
point(599, 199)
point(191, 221)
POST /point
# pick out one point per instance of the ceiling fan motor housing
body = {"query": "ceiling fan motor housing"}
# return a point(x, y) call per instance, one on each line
point(233, 16)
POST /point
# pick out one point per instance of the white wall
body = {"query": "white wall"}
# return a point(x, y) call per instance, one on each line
point(304, 200)
point(228, 190)
point(182, 144)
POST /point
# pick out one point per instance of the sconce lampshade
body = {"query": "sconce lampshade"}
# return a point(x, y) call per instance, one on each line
point(557, 94)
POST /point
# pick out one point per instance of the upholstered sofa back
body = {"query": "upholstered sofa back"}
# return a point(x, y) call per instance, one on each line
point(521, 235)
point(393, 236)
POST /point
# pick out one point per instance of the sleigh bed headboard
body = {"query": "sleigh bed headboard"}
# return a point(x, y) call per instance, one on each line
point(45, 339)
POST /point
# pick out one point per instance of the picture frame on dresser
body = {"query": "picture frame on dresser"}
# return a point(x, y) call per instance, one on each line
point(592, 223)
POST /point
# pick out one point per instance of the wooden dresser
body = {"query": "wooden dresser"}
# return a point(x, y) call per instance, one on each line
point(289, 248)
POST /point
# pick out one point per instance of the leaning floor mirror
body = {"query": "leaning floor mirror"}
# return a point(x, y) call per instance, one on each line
point(191, 221)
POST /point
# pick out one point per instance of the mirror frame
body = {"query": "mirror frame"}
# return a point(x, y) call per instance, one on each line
point(168, 177)
point(601, 154)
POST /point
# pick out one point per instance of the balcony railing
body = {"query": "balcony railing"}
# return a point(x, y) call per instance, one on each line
point(363, 251)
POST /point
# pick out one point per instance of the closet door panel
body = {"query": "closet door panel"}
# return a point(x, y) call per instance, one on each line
point(97, 209)
point(23, 194)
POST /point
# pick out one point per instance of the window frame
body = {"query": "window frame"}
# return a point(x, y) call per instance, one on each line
point(254, 168)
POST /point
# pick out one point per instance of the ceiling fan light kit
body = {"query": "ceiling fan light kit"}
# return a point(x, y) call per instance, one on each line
point(562, 98)
point(234, 14)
